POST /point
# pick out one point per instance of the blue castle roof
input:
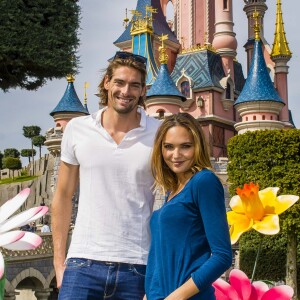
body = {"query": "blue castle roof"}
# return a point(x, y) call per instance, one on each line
point(164, 85)
point(204, 67)
point(69, 102)
point(160, 26)
point(258, 86)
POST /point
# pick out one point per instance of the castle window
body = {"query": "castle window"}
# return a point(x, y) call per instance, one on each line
point(161, 114)
point(263, 117)
point(228, 91)
point(254, 118)
point(185, 88)
point(271, 118)
point(225, 4)
point(170, 15)
point(246, 118)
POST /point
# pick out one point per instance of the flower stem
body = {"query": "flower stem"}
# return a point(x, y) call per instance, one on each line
point(2, 286)
point(256, 259)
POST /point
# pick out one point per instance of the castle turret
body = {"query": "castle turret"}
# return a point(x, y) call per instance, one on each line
point(164, 98)
point(67, 108)
point(224, 40)
point(258, 104)
point(250, 7)
point(281, 54)
point(149, 11)
point(194, 22)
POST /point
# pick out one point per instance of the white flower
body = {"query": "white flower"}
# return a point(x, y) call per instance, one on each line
point(18, 239)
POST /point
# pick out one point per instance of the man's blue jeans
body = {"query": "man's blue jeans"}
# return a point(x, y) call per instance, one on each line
point(86, 279)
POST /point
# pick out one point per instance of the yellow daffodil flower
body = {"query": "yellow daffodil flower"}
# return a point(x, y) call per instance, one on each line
point(256, 209)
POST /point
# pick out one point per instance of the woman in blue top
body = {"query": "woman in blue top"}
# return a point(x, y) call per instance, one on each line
point(190, 246)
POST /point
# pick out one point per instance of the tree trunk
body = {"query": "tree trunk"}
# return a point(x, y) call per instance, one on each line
point(32, 157)
point(291, 264)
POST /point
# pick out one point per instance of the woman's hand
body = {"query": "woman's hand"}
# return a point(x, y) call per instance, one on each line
point(184, 292)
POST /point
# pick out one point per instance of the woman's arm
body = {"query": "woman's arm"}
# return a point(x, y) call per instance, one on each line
point(208, 193)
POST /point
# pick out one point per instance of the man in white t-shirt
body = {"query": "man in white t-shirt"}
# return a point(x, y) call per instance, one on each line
point(45, 227)
point(111, 150)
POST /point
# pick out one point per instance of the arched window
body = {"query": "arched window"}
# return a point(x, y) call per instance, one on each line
point(254, 118)
point(225, 4)
point(161, 114)
point(263, 117)
point(170, 15)
point(185, 88)
point(228, 91)
point(246, 118)
point(271, 118)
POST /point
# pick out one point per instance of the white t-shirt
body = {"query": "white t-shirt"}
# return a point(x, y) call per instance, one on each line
point(116, 200)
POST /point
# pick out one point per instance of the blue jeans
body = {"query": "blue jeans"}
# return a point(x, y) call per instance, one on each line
point(86, 279)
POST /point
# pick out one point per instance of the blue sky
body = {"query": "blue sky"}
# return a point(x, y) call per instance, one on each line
point(101, 25)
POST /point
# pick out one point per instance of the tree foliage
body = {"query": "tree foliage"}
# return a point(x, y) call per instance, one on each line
point(31, 131)
point(270, 158)
point(12, 163)
point(11, 152)
point(39, 40)
point(27, 153)
point(38, 141)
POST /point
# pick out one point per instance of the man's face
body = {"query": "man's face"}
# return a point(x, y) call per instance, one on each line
point(124, 89)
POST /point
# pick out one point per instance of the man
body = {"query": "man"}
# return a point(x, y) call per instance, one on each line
point(110, 149)
point(45, 227)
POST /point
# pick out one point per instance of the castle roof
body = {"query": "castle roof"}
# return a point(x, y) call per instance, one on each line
point(258, 86)
point(203, 67)
point(280, 44)
point(164, 85)
point(160, 26)
point(69, 102)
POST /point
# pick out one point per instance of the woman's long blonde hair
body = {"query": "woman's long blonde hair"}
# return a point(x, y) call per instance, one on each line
point(165, 178)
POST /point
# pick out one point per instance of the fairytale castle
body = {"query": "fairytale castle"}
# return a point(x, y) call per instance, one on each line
point(192, 68)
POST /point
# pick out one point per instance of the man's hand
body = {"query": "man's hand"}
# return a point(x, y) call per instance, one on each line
point(59, 271)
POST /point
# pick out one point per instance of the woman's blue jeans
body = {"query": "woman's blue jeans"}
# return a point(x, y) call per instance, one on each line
point(86, 279)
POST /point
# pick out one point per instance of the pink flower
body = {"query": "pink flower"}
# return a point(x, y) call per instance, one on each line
point(17, 239)
point(240, 288)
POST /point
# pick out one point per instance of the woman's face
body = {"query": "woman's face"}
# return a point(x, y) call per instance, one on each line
point(178, 150)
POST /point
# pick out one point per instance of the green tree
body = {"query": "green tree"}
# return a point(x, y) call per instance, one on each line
point(12, 163)
point(1, 156)
point(1, 165)
point(29, 132)
point(11, 152)
point(39, 40)
point(28, 153)
point(38, 141)
point(271, 158)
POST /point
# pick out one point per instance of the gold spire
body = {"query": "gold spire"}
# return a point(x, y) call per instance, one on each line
point(280, 44)
point(140, 24)
point(126, 20)
point(70, 78)
point(86, 85)
point(256, 27)
point(163, 56)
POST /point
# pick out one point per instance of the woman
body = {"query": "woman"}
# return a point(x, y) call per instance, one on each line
point(190, 245)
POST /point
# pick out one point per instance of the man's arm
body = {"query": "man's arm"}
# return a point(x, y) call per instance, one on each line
point(68, 179)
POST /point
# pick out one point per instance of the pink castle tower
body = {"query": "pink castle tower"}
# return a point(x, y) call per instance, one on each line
point(224, 40)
